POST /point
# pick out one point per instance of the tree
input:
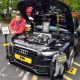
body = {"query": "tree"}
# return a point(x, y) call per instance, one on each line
point(73, 4)
point(5, 4)
point(13, 3)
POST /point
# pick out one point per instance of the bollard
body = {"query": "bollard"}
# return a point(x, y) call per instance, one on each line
point(6, 45)
point(5, 32)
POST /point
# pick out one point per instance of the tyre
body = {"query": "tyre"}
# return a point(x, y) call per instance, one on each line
point(11, 59)
point(71, 58)
point(52, 69)
point(10, 56)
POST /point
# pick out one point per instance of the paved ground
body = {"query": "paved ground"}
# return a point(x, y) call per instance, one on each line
point(12, 72)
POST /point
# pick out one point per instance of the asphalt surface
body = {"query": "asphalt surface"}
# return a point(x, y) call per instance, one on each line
point(12, 72)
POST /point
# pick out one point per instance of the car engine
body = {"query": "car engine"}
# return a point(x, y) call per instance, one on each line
point(42, 41)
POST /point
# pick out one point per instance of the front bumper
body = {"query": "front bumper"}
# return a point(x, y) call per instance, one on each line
point(40, 64)
point(39, 70)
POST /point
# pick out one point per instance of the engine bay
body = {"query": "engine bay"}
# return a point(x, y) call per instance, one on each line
point(43, 41)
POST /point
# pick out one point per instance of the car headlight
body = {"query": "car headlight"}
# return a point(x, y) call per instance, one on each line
point(48, 53)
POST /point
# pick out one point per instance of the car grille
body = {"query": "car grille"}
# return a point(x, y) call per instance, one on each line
point(31, 54)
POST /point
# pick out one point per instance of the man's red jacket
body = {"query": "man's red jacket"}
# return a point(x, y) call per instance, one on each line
point(18, 28)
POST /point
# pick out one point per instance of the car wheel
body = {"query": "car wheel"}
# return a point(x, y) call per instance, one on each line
point(11, 59)
point(71, 58)
point(52, 69)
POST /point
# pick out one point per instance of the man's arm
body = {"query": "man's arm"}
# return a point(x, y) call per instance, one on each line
point(12, 25)
point(21, 27)
point(54, 57)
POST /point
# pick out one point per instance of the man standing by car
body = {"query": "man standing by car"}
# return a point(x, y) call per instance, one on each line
point(17, 24)
point(60, 58)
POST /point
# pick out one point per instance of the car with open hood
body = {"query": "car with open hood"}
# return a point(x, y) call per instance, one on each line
point(34, 50)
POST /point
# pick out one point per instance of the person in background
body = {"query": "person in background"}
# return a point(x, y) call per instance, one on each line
point(17, 24)
point(60, 59)
point(29, 11)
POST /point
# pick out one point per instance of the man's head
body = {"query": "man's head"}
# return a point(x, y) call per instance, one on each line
point(29, 11)
point(18, 16)
point(61, 50)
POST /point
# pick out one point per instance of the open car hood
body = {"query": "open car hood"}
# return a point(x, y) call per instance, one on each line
point(22, 5)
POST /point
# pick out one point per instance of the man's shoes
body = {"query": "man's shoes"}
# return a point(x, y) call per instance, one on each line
point(54, 78)
point(60, 77)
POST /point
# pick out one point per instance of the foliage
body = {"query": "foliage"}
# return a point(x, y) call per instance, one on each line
point(4, 4)
point(4, 7)
point(73, 4)
point(13, 3)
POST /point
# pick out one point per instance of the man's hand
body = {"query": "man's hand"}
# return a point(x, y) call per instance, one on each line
point(30, 18)
point(13, 32)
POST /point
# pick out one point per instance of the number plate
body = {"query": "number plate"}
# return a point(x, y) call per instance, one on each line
point(24, 59)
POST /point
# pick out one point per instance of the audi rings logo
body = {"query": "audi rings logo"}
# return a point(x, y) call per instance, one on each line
point(23, 51)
